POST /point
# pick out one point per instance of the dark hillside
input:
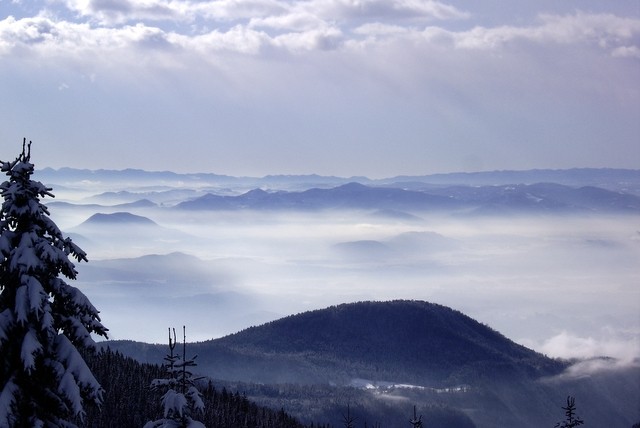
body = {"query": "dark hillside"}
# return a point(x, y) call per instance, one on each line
point(385, 357)
point(400, 341)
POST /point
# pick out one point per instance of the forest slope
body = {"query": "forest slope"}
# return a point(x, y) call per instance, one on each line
point(382, 356)
point(400, 341)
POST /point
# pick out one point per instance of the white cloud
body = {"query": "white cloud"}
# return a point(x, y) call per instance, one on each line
point(597, 29)
point(626, 52)
point(30, 31)
point(566, 345)
point(239, 39)
point(319, 39)
point(380, 29)
point(296, 21)
point(593, 366)
point(299, 30)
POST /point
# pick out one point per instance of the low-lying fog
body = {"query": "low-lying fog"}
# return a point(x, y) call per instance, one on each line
point(566, 286)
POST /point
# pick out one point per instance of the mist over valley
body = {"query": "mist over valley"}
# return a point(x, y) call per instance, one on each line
point(557, 279)
point(552, 267)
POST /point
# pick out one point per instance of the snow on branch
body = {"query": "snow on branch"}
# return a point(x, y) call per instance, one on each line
point(44, 322)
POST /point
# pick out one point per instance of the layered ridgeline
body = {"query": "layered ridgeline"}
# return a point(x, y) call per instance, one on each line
point(382, 357)
point(608, 178)
point(538, 191)
point(412, 197)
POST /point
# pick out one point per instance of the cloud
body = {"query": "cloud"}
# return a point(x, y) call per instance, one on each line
point(375, 10)
point(380, 29)
point(626, 52)
point(29, 31)
point(321, 39)
point(568, 346)
point(332, 80)
point(603, 30)
point(239, 39)
point(596, 367)
point(313, 25)
point(112, 12)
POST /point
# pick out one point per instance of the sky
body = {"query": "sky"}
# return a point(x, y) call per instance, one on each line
point(336, 87)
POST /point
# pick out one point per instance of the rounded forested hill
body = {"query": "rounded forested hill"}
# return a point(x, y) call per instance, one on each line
point(398, 341)
point(119, 218)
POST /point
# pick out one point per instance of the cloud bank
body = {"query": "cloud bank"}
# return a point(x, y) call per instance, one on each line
point(344, 87)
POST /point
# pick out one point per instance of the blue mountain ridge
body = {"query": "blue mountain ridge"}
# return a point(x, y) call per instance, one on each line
point(540, 197)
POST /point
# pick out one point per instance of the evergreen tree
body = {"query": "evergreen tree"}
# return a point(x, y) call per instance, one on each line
point(181, 400)
point(44, 322)
point(572, 420)
point(416, 422)
point(348, 420)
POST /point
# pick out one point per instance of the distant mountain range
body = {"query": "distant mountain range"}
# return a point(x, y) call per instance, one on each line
point(612, 179)
point(543, 197)
point(402, 350)
point(504, 192)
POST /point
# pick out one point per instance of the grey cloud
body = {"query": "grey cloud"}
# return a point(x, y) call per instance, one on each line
point(123, 11)
point(231, 10)
point(385, 10)
point(601, 30)
point(114, 12)
point(347, 14)
point(320, 39)
point(110, 6)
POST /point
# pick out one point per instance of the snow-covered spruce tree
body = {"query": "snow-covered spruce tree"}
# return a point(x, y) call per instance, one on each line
point(181, 400)
point(44, 322)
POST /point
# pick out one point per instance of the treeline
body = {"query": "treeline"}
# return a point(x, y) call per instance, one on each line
point(328, 403)
point(129, 401)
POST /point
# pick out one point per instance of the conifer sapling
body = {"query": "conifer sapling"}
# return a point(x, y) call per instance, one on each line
point(181, 401)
